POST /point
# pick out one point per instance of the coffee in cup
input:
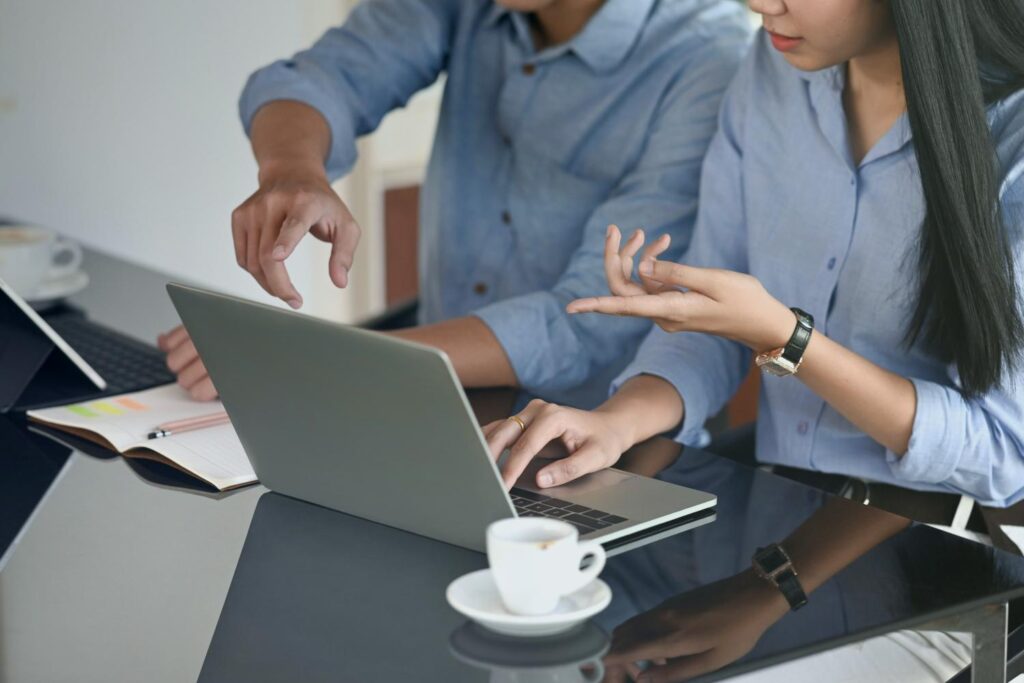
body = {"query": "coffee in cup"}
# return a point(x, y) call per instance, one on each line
point(30, 256)
point(536, 561)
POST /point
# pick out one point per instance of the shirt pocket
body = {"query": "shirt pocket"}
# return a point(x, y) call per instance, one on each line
point(550, 208)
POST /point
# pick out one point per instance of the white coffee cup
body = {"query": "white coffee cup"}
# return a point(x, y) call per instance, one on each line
point(30, 256)
point(535, 561)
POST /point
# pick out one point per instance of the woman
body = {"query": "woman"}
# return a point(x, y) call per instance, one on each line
point(869, 169)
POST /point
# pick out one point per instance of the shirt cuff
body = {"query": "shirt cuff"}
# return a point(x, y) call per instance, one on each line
point(529, 328)
point(288, 80)
point(935, 446)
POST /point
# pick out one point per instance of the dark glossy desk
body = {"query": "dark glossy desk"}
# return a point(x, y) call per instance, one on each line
point(119, 577)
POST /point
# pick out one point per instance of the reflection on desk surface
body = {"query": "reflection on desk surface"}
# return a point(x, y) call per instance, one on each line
point(319, 595)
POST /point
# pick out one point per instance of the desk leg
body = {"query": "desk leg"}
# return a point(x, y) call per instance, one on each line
point(987, 626)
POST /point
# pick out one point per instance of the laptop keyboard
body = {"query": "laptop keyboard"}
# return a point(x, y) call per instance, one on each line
point(530, 504)
point(125, 363)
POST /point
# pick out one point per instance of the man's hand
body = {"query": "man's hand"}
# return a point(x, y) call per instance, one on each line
point(183, 360)
point(293, 199)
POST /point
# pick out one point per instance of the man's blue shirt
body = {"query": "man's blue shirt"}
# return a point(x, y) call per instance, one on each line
point(535, 152)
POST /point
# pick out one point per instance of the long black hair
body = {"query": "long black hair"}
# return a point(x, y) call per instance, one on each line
point(959, 56)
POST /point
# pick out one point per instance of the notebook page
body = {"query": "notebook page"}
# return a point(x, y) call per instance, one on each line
point(1016, 534)
point(126, 420)
point(213, 453)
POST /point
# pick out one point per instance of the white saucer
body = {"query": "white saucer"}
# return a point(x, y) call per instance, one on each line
point(474, 595)
point(51, 291)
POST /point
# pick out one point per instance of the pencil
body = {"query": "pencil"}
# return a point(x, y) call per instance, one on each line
point(188, 424)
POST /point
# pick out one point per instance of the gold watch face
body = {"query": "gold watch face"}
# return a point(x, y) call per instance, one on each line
point(773, 363)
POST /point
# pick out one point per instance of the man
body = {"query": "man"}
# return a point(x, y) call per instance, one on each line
point(559, 117)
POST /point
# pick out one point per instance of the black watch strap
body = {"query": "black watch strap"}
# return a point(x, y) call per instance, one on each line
point(789, 584)
point(794, 349)
point(772, 563)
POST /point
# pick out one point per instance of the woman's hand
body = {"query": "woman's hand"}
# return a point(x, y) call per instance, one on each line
point(696, 632)
point(183, 360)
point(681, 298)
point(594, 440)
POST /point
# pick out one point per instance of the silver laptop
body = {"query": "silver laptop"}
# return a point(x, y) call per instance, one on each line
point(380, 428)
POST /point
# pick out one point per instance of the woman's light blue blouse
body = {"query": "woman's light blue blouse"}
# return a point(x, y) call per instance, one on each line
point(781, 199)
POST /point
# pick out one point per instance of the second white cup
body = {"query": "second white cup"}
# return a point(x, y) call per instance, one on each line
point(30, 255)
point(536, 561)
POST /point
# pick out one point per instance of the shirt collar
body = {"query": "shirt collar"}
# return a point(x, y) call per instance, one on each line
point(606, 39)
point(826, 92)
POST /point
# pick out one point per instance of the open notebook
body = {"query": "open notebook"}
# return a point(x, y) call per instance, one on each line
point(122, 423)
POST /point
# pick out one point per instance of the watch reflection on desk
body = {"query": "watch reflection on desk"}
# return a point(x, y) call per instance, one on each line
point(694, 605)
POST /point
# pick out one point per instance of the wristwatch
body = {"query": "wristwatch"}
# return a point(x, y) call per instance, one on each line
point(773, 564)
point(785, 361)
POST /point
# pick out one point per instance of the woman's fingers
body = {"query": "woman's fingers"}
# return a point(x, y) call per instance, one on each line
point(589, 458)
point(501, 437)
point(643, 306)
point(657, 247)
point(488, 428)
point(618, 283)
point(643, 639)
point(651, 252)
point(504, 433)
point(548, 425)
point(632, 246)
point(684, 668)
point(612, 267)
point(703, 280)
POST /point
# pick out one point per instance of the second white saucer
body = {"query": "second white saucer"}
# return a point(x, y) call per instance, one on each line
point(475, 595)
point(52, 291)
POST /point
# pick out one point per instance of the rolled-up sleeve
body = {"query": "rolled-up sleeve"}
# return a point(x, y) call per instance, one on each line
point(974, 446)
point(660, 193)
point(971, 446)
point(385, 52)
point(704, 369)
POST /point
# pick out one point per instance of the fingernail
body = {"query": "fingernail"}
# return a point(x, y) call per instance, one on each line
point(646, 267)
point(295, 303)
point(544, 480)
point(278, 252)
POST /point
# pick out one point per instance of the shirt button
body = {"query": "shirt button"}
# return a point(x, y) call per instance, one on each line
point(802, 427)
point(529, 69)
point(832, 263)
point(506, 217)
point(480, 288)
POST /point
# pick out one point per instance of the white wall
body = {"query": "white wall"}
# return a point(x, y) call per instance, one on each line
point(118, 126)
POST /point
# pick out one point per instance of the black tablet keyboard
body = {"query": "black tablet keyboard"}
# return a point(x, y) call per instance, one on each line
point(125, 363)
